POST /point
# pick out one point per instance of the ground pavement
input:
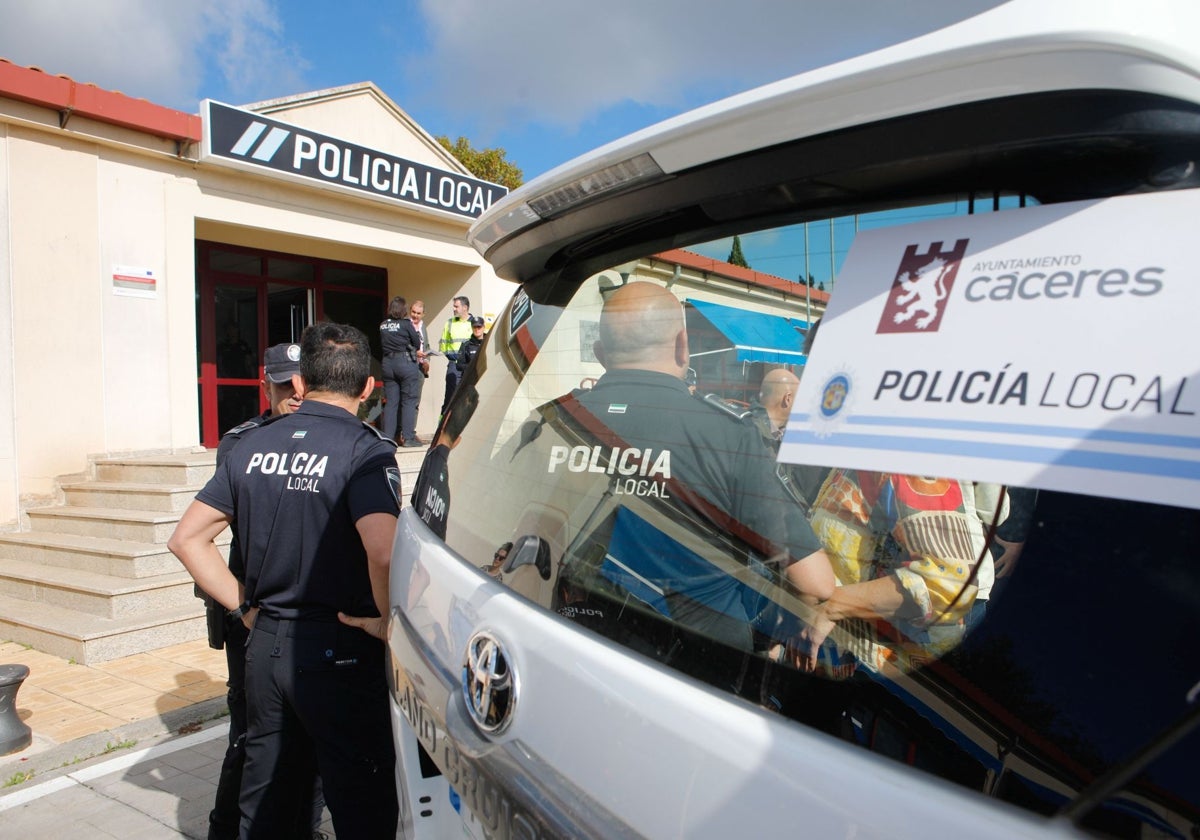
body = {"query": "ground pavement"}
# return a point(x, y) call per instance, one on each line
point(127, 749)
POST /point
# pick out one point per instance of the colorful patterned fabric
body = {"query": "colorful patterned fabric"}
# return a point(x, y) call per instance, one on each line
point(927, 532)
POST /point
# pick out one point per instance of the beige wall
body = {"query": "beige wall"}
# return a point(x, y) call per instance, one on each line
point(85, 372)
point(331, 113)
point(8, 439)
point(56, 307)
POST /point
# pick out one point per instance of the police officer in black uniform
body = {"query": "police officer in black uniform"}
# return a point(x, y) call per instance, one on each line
point(469, 349)
point(280, 363)
point(313, 497)
point(431, 492)
point(403, 380)
point(703, 458)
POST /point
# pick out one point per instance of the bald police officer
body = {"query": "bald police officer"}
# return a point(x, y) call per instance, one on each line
point(770, 415)
point(717, 465)
point(313, 499)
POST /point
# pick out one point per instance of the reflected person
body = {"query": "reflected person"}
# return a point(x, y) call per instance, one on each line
point(701, 458)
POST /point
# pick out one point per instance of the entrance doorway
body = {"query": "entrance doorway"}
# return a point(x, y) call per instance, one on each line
point(248, 300)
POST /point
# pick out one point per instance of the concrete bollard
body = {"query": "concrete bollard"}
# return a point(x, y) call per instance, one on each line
point(14, 734)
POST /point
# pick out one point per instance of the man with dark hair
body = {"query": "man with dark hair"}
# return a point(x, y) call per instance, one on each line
point(431, 492)
point(457, 331)
point(313, 499)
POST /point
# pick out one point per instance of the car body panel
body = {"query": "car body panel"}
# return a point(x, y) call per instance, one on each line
point(601, 739)
point(669, 756)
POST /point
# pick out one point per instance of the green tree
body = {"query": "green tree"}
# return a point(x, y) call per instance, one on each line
point(488, 164)
point(736, 257)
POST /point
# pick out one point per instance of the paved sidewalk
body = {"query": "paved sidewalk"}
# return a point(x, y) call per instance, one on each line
point(63, 701)
point(78, 711)
point(127, 749)
point(162, 790)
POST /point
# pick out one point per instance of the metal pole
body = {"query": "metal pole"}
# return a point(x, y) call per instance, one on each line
point(807, 287)
point(831, 256)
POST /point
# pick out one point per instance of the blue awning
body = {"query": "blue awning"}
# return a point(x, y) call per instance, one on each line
point(756, 336)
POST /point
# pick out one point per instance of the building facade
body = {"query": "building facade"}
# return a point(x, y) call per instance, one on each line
point(148, 257)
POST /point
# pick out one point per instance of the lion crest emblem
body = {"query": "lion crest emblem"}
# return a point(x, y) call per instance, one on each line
point(921, 289)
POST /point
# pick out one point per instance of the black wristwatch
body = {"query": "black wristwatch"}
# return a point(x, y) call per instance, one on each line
point(239, 611)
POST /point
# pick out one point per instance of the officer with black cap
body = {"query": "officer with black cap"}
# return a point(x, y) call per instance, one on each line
point(469, 349)
point(281, 362)
point(313, 498)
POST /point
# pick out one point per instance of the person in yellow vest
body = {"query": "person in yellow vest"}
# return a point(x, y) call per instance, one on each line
point(458, 330)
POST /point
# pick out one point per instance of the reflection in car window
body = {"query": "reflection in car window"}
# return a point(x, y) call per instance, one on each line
point(622, 454)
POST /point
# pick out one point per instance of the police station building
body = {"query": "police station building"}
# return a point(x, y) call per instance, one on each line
point(149, 256)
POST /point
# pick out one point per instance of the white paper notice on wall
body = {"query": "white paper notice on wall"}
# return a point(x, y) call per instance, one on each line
point(1050, 347)
point(134, 281)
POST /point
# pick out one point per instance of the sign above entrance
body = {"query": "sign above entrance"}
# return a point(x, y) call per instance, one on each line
point(250, 141)
point(1047, 347)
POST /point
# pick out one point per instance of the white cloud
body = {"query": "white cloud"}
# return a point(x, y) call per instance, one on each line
point(562, 62)
point(156, 50)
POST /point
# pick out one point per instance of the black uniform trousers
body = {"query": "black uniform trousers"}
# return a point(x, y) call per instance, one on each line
point(224, 818)
point(453, 377)
point(226, 814)
point(317, 696)
point(402, 386)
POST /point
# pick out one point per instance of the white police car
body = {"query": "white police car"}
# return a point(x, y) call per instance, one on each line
point(963, 598)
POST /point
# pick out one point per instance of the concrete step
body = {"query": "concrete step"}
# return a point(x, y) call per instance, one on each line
point(183, 469)
point(98, 555)
point(96, 594)
point(409, 460)
point(89, 639)
point(129, 495)
point(411, 456)
point(139, 525)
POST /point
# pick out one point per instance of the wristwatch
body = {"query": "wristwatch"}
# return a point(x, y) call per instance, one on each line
point(239, 611)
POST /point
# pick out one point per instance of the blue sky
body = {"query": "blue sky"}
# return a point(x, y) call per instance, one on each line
point(546, 80)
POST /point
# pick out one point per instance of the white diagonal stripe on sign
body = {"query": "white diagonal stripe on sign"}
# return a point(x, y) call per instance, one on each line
point(252, 133)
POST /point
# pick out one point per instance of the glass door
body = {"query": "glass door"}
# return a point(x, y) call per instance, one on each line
point(248, 300)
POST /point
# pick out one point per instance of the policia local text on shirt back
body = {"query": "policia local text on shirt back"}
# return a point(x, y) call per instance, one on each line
point(313, 499)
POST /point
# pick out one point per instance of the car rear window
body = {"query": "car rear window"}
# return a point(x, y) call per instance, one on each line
point(1034, 645)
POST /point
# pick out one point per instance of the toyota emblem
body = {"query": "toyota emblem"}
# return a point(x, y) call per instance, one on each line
point(488, 682)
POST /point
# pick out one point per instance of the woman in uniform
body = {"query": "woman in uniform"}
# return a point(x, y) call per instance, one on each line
point(402, 377)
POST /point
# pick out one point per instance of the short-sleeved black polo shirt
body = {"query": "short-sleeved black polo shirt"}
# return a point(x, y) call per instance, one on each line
point(295, 487)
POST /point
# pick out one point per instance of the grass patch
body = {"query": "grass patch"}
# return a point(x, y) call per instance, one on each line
point(110, 747)
point(18, 778)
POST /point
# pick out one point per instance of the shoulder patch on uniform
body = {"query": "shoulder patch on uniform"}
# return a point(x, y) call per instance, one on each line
point(378, 433)
point(244, 427)
point(393, 477)
point(731, 411)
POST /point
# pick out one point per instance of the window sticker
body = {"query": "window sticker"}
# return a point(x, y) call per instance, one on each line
point(1047, 346)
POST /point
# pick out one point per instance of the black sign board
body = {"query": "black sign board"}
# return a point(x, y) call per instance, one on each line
point(248, 140)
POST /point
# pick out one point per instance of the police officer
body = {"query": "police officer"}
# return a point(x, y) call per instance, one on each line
point(431, 492)
point(715, 463)
point(769, 415)
point(313, 498)
point(470, 348)
point(403, 346)
point(280, 363)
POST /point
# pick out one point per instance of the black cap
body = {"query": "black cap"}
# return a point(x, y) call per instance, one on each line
point(280, 362)
point(476, 321)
